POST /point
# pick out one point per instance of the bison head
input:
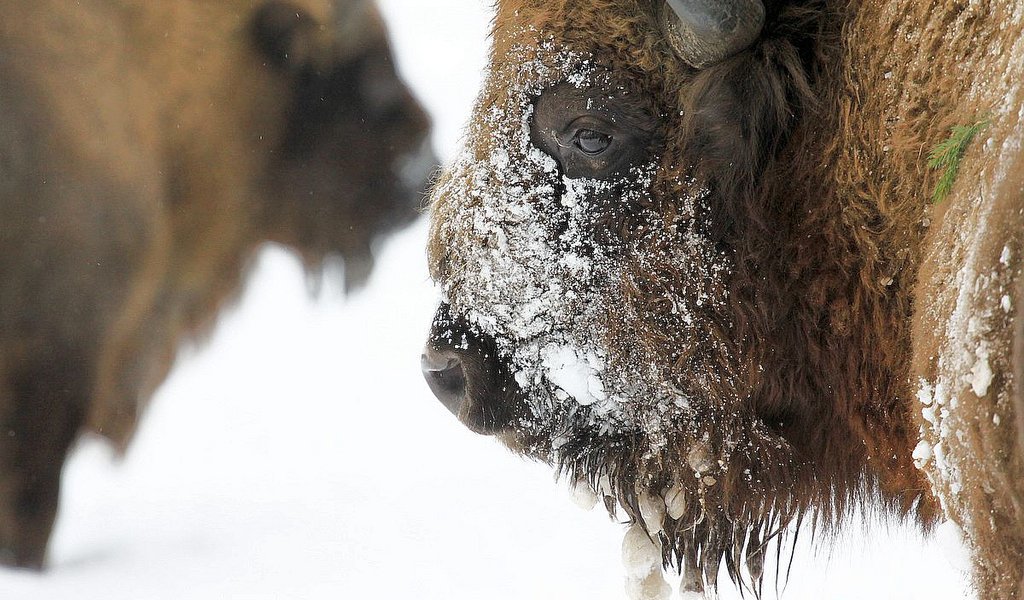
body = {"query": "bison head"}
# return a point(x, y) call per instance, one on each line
point(354, 159)
point(617, 296)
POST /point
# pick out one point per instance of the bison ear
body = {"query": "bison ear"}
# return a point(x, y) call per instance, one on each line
point(705, 32)
point(287, 36)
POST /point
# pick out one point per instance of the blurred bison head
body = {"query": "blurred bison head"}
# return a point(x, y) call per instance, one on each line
point(353, 160)
point(678, 256)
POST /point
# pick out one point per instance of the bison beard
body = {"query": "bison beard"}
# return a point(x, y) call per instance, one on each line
point(718, 324)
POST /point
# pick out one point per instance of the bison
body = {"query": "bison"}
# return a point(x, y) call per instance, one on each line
point(691, 257)
point(147, 150)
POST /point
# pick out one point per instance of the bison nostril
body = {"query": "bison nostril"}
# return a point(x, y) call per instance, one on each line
point(445, 377)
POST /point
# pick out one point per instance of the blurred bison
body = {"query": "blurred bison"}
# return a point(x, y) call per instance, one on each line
point(689, 257)
point(146, 150)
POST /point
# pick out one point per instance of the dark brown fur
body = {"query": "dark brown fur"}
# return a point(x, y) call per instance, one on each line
point(147, 149)
point(812, 144)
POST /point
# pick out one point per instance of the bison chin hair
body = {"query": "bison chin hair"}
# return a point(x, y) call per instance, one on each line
point(725, 494)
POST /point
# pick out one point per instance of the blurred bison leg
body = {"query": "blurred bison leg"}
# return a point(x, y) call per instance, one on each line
point(79, 209)
point(45, 406)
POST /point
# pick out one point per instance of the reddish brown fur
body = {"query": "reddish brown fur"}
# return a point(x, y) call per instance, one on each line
point(146, 150)
point(841, 290)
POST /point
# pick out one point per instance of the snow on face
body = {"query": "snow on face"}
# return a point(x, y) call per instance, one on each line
point(532, 278)
point(532, 271)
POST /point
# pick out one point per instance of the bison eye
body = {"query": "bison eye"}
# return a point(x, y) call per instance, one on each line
point(591, 142)
point(593, 133)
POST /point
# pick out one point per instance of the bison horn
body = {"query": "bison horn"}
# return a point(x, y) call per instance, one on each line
point(359, 25)
point(703, 32)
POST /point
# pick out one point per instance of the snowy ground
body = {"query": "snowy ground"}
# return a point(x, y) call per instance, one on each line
point(299, 455)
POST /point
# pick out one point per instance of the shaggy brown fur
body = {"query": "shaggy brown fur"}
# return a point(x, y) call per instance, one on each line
point(146, 150)
point(847, 294)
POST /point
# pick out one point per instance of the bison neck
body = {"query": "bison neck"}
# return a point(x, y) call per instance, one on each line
point(825, 280)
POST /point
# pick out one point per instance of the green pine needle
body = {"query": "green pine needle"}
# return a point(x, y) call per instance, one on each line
point(948, 154)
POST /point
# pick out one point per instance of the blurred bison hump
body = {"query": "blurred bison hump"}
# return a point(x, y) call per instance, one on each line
point(147, 149)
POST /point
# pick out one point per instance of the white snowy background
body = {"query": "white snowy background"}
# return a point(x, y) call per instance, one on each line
point(299, 455)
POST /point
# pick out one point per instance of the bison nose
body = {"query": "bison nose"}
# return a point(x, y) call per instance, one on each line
point(416, 171)
point(445, 377)
point(463, 369)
